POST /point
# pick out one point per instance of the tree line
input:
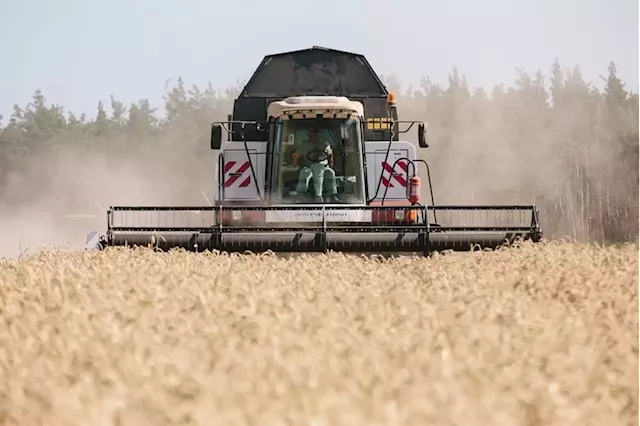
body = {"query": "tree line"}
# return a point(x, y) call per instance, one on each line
point(550, 138)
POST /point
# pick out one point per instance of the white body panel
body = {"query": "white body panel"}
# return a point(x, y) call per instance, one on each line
point(394, 183)
point(240, 185)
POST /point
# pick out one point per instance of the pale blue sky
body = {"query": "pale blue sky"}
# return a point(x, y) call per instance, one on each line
point(79, 52)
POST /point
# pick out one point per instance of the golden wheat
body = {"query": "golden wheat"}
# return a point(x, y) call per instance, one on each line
point(537, 335)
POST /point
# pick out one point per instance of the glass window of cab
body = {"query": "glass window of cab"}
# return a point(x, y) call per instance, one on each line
point(310, 146)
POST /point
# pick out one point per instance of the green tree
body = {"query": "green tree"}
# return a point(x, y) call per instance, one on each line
point(101, 125)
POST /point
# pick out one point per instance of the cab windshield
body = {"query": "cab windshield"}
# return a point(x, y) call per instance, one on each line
point(318, 161)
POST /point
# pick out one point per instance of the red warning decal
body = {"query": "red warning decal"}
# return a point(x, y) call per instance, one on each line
point(234, 171)
point(398, 177)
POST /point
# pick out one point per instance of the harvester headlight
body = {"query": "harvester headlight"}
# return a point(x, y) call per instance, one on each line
point(236, 215)
point(399, 214)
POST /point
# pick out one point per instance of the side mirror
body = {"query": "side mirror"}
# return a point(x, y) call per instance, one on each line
point(422, 136)
point(216, 136)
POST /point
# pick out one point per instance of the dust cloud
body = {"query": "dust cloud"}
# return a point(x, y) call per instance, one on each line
point(60, 198)
point(575, 160)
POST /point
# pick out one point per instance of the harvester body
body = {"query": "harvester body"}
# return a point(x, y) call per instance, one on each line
point(313, 161)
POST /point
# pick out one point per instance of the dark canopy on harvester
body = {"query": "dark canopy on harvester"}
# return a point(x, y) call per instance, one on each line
point(315, 72)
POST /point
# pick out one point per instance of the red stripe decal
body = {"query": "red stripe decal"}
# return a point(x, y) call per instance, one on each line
point(245, 182)
point(397, 176)
point(237, 174)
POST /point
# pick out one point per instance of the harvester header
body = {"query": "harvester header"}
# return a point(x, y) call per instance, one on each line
point(313, 161)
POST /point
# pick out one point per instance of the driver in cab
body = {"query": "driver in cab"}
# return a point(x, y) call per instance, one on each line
point(315, 157)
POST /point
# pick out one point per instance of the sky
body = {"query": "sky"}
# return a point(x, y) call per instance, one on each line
point(81, 51)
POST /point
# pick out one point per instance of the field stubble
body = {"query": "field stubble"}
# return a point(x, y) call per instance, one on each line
point(544, 335)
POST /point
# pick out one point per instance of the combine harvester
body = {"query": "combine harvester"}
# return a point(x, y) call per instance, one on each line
point(313, 162)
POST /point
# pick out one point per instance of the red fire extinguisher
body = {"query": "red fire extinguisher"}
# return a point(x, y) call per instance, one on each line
point(414, 189)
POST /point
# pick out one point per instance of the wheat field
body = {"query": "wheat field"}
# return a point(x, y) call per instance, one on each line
point(534, 335)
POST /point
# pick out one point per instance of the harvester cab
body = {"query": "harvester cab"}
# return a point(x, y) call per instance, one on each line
point(313, 161)
point(315, 153)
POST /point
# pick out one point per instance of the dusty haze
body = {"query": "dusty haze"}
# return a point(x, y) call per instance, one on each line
point(71, 192)
point(576, 160)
